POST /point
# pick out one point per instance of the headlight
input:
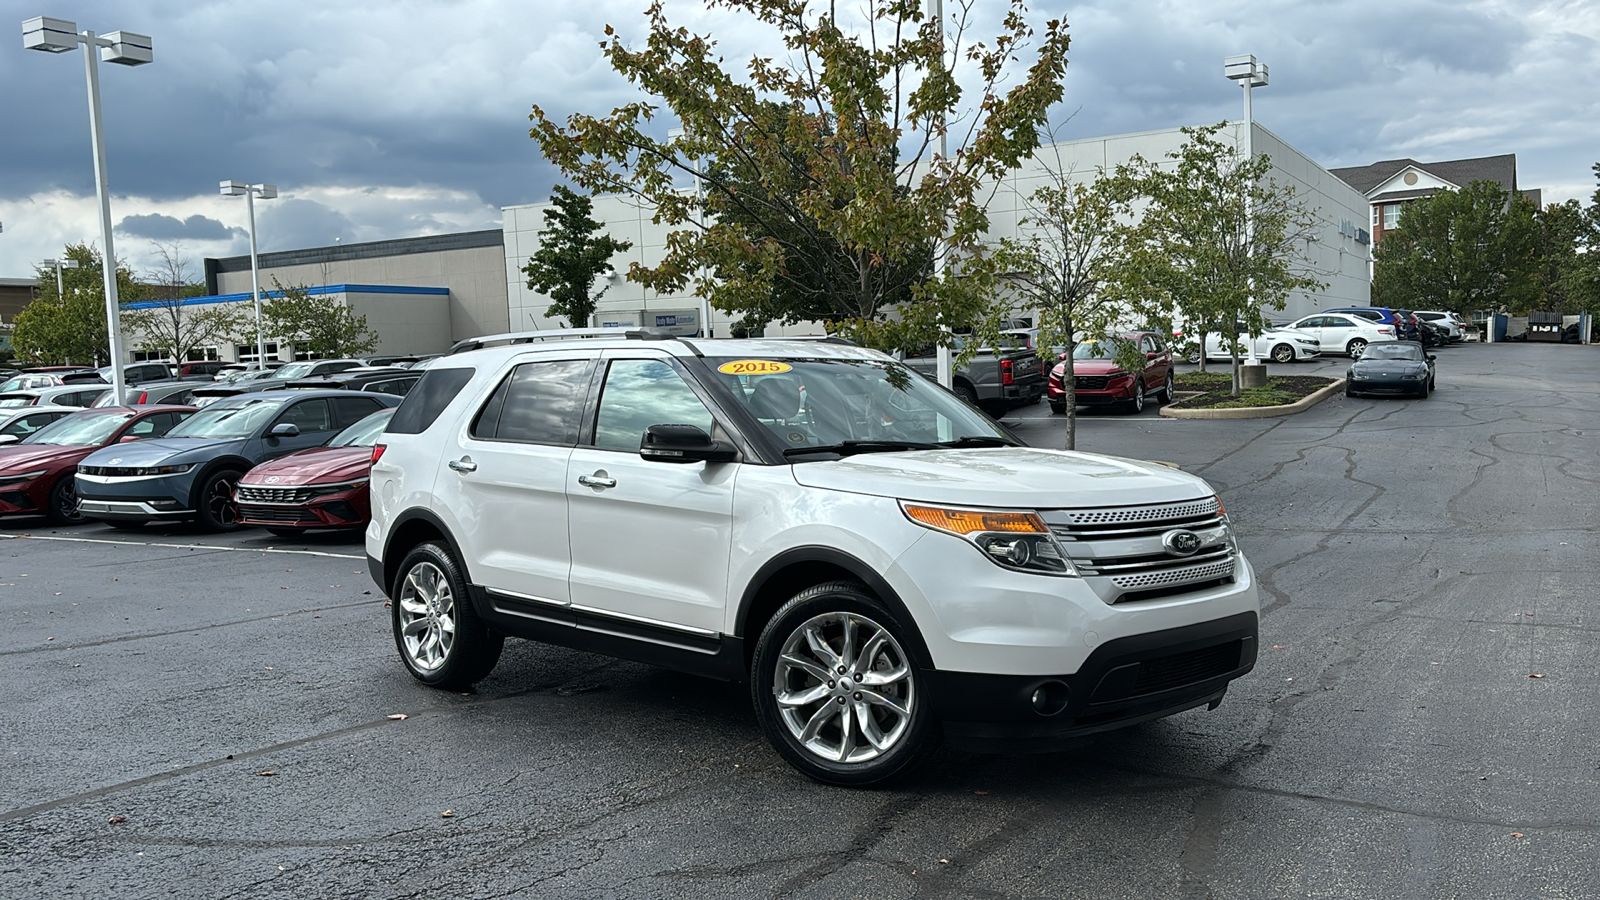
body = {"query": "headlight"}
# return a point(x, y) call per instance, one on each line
point(323, 490)
point(19, 479)
point(164, 470)
point(1019, 541)
point(1411, 377)
point(1357, 376)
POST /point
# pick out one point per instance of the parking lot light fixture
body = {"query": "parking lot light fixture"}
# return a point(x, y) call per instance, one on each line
point(251, 192)
point(124, 48)
point(58, 265)
point(1250, 73)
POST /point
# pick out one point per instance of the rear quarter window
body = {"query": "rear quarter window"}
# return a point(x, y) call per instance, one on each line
point(427, 399)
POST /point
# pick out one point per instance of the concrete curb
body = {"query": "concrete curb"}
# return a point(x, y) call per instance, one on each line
point(1257, 412)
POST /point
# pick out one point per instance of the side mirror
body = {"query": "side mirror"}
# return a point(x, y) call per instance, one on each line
point(683, 444)
point(1151, 355)
point(128, 438)
point(1431, 357)
point(283, 430)
point(9, 438)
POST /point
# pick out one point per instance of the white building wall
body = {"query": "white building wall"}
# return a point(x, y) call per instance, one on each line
point(1336, 258)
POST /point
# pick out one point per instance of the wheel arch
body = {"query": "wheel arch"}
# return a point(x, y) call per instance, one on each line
point(236, 463)
point(798, 568)
point(410, 528)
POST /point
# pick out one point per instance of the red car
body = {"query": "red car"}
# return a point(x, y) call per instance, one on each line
point(1102, 381)
point(39, 474)
point(324, 487)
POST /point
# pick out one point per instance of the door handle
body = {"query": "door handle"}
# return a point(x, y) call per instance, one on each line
point(463, 465)
point(597, 481)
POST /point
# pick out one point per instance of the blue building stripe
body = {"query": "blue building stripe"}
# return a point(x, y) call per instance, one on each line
point(324, 289)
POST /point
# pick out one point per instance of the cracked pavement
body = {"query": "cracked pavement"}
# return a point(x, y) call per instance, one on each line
point(1419, 561)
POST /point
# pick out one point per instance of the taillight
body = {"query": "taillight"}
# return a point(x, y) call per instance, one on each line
point(1386, 331)
point(377, 452)
point(144, 397)
point(1006, 376)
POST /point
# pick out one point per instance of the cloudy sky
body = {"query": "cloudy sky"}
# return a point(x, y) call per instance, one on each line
point(387, 120)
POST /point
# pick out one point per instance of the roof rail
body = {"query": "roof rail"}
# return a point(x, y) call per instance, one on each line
point(559, 334)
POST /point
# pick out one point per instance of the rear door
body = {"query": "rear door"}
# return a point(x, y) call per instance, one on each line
point(503, 480)
point(650, 540)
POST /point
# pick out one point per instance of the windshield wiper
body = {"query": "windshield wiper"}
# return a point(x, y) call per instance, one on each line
point(845, 448)
point(969, 440)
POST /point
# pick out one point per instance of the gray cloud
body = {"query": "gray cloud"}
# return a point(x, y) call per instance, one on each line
point(158, 227)
point(301, 223)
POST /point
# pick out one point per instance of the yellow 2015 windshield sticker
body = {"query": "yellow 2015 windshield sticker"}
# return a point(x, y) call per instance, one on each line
point(754, 367)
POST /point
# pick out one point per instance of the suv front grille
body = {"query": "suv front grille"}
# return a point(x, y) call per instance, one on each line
point(256, 494)
point(1091, 382)
point(1122, 548)
point(1179, 669)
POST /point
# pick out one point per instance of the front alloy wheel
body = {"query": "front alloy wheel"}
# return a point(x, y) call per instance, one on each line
point(1136, 402)
point(217, 509)
point(835, 690)
point(441, 640)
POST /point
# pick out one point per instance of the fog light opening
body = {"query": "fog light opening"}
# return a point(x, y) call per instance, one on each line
point(1050, 698)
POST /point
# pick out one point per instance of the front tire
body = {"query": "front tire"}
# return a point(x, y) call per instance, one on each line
point(441, 640)
point(1058, 409)
point(836, 692)
point(63, 508)
point(1136, 402)
point(216, 508)
point(1283, 353)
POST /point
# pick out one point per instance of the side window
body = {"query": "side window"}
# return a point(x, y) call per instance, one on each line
point(396, 386)
point(29, 424)
point(538, 403)
point(639, 393)
point(308, 416)
point(423, 404)
point(1156, 345)
point(165, 421)
point(351, 410)
point(1337, 322)
point(1146, 345)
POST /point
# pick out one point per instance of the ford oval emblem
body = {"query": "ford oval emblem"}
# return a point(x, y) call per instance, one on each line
point(1181, 542)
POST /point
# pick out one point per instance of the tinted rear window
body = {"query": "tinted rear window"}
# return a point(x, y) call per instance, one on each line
point(428, 399)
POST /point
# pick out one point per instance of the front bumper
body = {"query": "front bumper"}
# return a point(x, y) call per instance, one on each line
point(135, 498)
point(1123, 682)
point(1387, 386)
point(346, 509)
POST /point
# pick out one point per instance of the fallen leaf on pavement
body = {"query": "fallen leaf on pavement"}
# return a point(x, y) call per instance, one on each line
point(448, 814)
point(1516, 834)
point(266, 773)
point(117, 820)
point(1535, 676)
point(399, 716)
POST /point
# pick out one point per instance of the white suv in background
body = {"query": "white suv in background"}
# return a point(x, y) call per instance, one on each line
point(1343, 332)
point(1451, 322)
point(882, 563)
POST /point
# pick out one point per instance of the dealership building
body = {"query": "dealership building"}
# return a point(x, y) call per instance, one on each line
point(419, 295)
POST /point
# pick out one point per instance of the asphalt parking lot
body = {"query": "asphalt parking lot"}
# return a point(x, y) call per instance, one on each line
point(220, 716)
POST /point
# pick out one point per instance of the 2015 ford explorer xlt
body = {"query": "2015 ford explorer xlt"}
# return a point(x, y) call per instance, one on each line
point(885, 566)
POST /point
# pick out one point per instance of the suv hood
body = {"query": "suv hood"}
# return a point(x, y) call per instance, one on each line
point(1091, 366)
point(160, 451)
point(1006, 477)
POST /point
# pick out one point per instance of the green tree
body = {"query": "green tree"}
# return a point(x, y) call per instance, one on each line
point(315, 322)
point(69, 326)
point(163, 323)
point(1463, 250)
point(1075, 238)
point(1219, 242)
point(573, 251)
point(838, 135)
point(1558, 233)
point(1580, 278)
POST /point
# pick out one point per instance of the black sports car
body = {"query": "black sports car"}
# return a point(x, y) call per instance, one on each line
point(1391, 367)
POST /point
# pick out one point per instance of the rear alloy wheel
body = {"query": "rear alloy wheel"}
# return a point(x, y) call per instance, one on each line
point(441, 640)
point(217, 509)
point(1283, 353)
point(1136, 402)
point(63, 509)
point(835, 691)
point(965, 392)
point(1356, 348)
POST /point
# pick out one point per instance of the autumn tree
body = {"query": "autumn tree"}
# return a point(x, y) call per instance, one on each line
point(315, 323)
point(573, 251)
point(1462, 251)
point(165, 323)
point(1220, 242)
point(1075, 234)
point(69, 326)
point(819, 167)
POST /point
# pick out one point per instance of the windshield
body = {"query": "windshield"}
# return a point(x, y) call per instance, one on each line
point(19, 400)
point(238, 419)
point(1393, 351)
point(79, 429)
point(811, 403)
point(365, 432)
point(293, 370)
point(1098, 349)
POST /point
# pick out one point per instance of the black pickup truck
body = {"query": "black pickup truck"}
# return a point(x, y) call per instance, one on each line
point(995, 379)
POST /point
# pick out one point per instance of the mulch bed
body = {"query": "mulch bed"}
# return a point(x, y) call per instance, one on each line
point(1281, 390)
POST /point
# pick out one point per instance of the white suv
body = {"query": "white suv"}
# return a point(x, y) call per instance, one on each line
point(880, 561)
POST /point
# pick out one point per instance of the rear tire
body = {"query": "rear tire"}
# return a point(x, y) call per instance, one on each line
point(965, 392)
point(836, 692)
point(1166, 391)
point(441, 640)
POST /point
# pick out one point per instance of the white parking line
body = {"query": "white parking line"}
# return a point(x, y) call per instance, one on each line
point(43, 537)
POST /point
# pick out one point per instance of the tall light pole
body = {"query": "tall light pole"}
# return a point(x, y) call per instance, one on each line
point(125, 49)
point(251, 192)
point(58, 265)
point(1250, 73)
point(699, 213)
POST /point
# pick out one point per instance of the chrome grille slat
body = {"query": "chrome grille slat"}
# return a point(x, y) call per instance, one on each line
point(257, 494)
point(1068, 533)
point(1130, 515)
point(1206, 572)
point(1100, 568)
point(1119, 546)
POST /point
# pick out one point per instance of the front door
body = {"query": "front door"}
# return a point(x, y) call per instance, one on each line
point(313, 417)
point(650, 540)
